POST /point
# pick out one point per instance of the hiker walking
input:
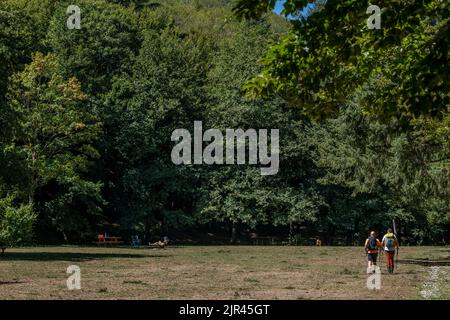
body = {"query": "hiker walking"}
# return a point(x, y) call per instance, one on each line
point(372, 247)
point(389, 244)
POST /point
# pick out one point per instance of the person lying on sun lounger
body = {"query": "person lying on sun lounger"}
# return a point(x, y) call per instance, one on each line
point(161, 244)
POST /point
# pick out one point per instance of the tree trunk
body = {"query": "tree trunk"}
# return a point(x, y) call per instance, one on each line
point(234, 232)
point(164, 227)
point(147, 229)
point(33, 177)
point(292, 234)
point(66, 239)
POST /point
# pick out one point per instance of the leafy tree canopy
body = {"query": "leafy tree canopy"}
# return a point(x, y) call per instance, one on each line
point(329, 55)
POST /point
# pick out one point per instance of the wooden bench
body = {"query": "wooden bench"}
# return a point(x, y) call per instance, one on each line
point(3, 249)
point(102, 240)
point(264, 240)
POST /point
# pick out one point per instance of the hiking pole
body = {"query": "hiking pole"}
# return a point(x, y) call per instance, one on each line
point(396, 237)
point(381, 259)
point(396, 259)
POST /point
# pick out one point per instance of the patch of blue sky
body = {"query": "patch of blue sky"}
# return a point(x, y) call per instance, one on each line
point(279, 7)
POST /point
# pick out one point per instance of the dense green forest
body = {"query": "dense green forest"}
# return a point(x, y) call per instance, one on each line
point(87, 116)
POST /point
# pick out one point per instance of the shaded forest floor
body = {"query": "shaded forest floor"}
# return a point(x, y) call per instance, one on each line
point(219, 272)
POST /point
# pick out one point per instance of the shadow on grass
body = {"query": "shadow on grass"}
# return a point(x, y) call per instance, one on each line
point(427, 262)
point(70, 256)
point(10, 282)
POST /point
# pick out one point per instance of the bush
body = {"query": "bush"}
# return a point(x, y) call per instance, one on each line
point(16, 223)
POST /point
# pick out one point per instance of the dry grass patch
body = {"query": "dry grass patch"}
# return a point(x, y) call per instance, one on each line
point(211, 272)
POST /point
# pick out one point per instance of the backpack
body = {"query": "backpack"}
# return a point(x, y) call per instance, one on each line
point(372, 244)
point(389, 243)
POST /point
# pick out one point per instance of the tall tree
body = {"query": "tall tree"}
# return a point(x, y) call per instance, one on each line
point(54, 134)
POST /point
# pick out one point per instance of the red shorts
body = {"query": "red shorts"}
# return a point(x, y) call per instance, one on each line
point(389, 258)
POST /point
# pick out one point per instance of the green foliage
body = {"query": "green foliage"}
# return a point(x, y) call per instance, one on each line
point(16, 222)
point(104, 47)
point(87, 116)
point(389, 141)
point(163, 94)
point(53, 133)
point(239, 194)
point(406, 173)
point(332, 53)
point(16, 44)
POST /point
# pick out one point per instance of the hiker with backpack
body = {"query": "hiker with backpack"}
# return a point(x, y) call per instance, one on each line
point(372, 246)
point(389, 244)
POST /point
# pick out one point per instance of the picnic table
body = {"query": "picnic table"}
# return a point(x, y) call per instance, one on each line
point(102, 240)
point(258, 240)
